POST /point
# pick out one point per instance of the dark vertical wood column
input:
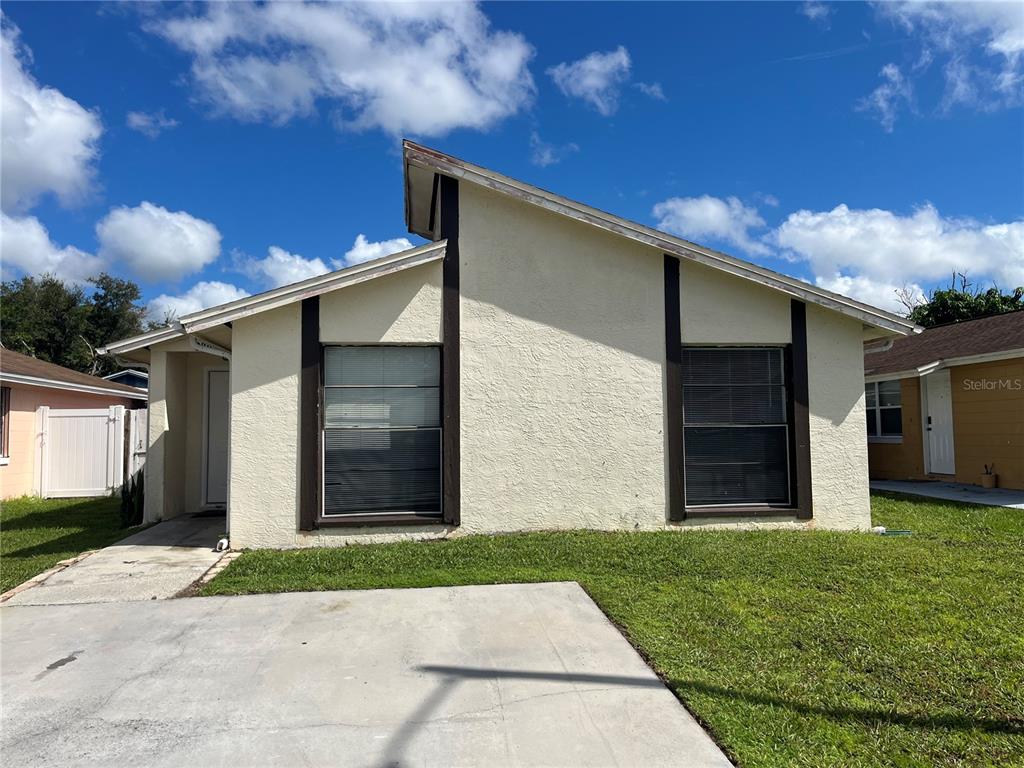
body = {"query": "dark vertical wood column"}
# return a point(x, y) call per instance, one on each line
point(451, 339)
point(674, 392)
point(801, 414)
point(309, 416)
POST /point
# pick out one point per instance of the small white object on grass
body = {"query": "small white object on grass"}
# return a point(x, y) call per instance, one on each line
point(878, 529)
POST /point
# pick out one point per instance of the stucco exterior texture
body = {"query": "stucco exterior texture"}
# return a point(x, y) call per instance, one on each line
point(562, 382)
point(988, 427)
point(18, 474)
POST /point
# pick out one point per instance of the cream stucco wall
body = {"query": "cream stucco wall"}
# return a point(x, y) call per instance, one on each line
point(839, 447)
point(404, 307)
point(562, 381)
point(718, 308)
point(263, 469)
point(401, 308)
point(562, 372)
point(174, 458)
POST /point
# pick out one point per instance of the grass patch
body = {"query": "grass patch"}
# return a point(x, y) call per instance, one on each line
point(794, 649)
point(36, 534)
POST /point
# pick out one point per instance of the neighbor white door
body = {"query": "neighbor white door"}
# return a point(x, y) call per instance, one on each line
point(939, 423)
point(216, 439)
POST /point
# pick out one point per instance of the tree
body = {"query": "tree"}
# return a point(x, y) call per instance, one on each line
point(46, 318)
point(961, 301)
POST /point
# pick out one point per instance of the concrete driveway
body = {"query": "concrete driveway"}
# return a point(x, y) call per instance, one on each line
point(156, 563)
point(467, 676)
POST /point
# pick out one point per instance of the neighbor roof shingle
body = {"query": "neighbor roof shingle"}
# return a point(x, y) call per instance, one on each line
point(986, 335)
point(23, 365)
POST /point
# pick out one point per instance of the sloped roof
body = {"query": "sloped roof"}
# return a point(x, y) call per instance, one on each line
point(279, 297)
point(987, 335)
point(422, 164)
point(17, 367)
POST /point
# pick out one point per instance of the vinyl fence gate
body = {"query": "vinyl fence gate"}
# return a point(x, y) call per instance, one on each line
point(81, 451)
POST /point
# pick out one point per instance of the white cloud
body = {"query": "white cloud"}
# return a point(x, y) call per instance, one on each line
point(980, 43)
point(728, 220)
point(886, 101)
point(150, 124)
point(818, 12)
point(157, 244)
point(419, 68)
point(282, 268)
point(870, 253)
point(596, 78)
point(365, 250)
point(882, 294)
point(544, 153)
point(26, 247)
point(653, 90)
point(50, 142)
point(199, 296)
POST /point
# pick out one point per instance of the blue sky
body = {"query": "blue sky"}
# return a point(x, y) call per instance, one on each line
point(207, 152)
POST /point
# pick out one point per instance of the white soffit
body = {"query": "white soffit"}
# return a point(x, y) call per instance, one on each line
point(421, 163)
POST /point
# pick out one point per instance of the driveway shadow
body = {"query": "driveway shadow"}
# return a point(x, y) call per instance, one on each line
point(452, 676)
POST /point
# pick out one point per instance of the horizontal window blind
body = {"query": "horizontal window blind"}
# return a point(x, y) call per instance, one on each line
point(736, 439)
point(382, 430)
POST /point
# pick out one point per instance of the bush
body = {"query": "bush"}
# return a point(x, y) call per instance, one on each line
point(133, 496)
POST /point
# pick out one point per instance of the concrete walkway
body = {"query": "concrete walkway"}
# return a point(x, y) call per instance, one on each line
point(974, 494)
point(523, 675)
point(155, 563)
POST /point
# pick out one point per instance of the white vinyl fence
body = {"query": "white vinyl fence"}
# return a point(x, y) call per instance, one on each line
point(86, 451)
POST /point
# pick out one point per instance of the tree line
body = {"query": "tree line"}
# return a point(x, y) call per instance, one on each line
point(65, 324)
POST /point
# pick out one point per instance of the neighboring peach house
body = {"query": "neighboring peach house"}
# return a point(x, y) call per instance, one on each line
point(27, 384)
point(944, 404)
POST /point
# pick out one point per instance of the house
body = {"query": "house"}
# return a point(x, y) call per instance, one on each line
point(537, 364)
point(130, 377)
point(945, 403)
point(26, 384)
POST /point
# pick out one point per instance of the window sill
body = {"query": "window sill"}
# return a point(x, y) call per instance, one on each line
point(378, 521)
point(890, 440)
point(4, 461)
point(741, 511)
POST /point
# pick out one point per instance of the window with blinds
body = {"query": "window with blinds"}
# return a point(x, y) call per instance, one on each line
point(735, 426)
point(381, 430)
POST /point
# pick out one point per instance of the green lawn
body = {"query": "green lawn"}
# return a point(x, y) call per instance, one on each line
point(35, 534)
point(794, 649)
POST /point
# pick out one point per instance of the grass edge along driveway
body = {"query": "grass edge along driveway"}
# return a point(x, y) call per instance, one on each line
point(36, 534)
point(792, 648)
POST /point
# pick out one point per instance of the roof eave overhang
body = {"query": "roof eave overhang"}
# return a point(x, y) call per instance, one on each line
point(941, 364)
point(279, 297)
point(39, 381)
point(416, 155)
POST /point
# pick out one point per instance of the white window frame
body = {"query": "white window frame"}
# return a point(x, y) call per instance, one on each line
point(878, 437)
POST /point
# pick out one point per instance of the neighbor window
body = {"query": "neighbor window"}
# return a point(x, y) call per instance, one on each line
point(382, 430)
point(736, 426)
point(5, 421)
point(884, 408)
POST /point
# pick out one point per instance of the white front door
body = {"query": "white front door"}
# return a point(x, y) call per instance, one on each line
point(939, 423)
point(215, 473)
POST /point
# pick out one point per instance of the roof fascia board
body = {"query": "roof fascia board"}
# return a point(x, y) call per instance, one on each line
point(143, 340)
point(198, 321)
point(952, 362)
point(460, 169)
point(37, 381)
point(225, 313)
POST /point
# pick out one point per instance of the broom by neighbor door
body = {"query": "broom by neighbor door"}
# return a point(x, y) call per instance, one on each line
point(215, 439)
point(939, 423)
